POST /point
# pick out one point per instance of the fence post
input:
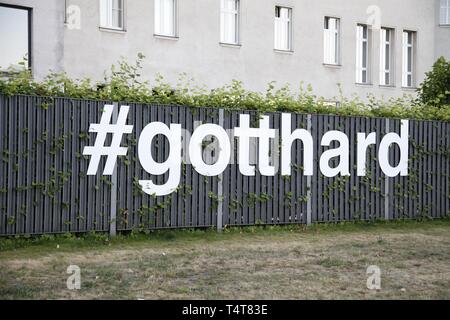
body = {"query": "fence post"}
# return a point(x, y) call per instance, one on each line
point(309, 182)
point(220, 184)
point(113, 216)
point(386, 185)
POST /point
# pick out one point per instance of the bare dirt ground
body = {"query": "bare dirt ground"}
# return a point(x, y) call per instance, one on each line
point(322, 262)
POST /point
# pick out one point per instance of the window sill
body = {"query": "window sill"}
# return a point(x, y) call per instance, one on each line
point(333, 66)
point(10, 73)
point(283, 51)
point(363, 84)
point(409, 88)
point(444, 25)
point(113, 30)
point(387, 86)
point(230, 45)
point(166, 37)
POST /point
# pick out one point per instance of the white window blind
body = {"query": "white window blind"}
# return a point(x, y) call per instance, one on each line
point(386, 56)
point(408, 57)
point(165, 17)
point(283, 28)
point(111, 14)
point(362, 54)
point(229, 21)
point(331, 41)
point(445, 12)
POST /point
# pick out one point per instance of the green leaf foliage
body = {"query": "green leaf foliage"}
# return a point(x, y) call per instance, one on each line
point(124, 83)
point(435, 89)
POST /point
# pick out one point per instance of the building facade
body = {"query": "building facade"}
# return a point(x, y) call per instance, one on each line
point(379, 47)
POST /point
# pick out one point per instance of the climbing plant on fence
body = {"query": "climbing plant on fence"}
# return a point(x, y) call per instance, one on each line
point(44, 187)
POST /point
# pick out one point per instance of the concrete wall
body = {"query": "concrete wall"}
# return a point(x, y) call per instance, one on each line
point(89, 51)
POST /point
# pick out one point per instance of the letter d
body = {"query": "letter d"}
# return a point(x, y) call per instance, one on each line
point(402, 142)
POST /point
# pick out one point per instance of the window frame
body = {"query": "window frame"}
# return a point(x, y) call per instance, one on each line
point(237, 14)
point(405, 62)
point(446, 8)
point(383, 45)
point(122, 15)
point(175, 22)
point(337, 35)
point(290, 29)
point(360, 69)
point(30, 33)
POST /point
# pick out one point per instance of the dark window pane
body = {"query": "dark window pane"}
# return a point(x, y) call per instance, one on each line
point(409, 59)
point(117, 18)
point(364, 57)
point(387, 58)
point(13, 37)
point(336, 48)
point(410, 37)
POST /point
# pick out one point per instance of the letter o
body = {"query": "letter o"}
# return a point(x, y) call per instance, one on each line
point(195, 150)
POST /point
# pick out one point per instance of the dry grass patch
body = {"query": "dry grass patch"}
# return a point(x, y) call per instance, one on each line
point(285, 264)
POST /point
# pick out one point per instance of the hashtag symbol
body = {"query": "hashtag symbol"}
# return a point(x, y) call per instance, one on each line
point(102, 129)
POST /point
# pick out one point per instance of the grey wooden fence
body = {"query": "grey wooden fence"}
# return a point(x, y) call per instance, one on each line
point(44, 187)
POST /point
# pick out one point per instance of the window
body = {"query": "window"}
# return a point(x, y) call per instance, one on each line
point(445, 12)
point(362, 54)
point(331, 41)
point(15, 38)
point(283, 28)
point(165, 17)
point(229, 21)
point(111, 14)
point(386, 56)
point(408, 57)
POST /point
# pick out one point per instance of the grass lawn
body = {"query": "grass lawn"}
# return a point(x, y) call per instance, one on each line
point(294, 262)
